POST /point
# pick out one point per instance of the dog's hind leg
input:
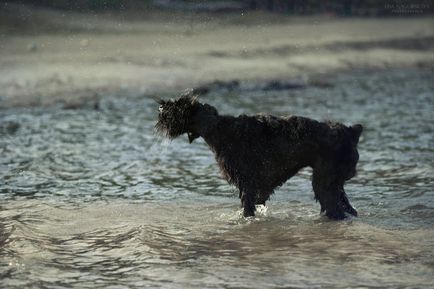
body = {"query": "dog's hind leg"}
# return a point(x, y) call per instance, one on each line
point(248, 203)
point(317, 189)
point(318, 198)
point(328, 195)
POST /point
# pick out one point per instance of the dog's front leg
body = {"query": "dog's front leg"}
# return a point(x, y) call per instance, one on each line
point(248, 203)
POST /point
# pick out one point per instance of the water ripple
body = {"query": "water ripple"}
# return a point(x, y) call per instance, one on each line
point(97, 199)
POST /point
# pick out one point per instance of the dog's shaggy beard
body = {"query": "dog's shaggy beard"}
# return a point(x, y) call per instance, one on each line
point(174, 115)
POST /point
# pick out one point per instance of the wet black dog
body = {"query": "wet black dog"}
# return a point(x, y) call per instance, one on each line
point(259, 153)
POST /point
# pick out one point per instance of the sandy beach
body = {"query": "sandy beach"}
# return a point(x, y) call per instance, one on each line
point(51, 56)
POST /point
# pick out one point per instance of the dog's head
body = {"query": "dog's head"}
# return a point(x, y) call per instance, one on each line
point(185, 115)
point(175, 116)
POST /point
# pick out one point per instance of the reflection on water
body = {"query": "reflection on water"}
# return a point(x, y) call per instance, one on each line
point(94, 198)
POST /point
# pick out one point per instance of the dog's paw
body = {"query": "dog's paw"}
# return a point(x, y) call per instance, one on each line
point(350, 210)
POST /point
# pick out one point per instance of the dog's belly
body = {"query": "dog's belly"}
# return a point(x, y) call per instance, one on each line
point(265, 170)
point(276, 173)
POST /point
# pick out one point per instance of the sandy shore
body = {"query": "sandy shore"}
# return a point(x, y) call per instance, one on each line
point(52, 57)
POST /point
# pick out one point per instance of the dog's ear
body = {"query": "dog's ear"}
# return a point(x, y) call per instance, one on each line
point(356, 131)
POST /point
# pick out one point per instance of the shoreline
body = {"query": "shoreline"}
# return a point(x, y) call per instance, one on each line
point(131, 57)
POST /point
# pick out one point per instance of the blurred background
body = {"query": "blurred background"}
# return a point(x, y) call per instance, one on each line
point(57, 51)
point(346, 7)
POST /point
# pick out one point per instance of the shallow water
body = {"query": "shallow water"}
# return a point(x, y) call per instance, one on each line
point(94, 199)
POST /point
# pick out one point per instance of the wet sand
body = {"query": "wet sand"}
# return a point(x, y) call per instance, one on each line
point(49, 56)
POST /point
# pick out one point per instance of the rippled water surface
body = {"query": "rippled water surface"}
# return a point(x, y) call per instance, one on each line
point(93, 199)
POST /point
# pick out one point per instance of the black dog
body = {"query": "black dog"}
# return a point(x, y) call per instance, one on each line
point(259, 153)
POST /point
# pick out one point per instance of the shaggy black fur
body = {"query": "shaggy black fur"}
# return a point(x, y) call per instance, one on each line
point(259, 153)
